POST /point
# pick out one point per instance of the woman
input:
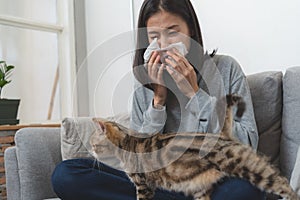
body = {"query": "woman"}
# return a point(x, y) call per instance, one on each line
point(172, 93)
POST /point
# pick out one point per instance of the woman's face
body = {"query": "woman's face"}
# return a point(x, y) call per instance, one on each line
point(168, 29)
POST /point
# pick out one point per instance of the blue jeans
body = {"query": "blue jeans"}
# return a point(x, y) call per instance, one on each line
point(84, 179)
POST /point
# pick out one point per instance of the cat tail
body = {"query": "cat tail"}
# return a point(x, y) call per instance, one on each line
point(243, 162)
point(232, 100)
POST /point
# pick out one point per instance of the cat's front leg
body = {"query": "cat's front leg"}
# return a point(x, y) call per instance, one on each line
point(143, 192)
point(144, 189)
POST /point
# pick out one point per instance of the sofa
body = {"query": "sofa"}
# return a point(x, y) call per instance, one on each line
point(276, 101)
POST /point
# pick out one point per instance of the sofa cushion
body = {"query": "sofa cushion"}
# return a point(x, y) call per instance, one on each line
point(75, 134)
point(290, 120)
point(266, 93)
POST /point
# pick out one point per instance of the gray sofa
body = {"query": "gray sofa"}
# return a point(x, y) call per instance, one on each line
point(276, 101)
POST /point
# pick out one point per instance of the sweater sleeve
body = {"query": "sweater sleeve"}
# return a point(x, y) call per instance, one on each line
point(144, 117)
point(205, 107)
point(244, 128)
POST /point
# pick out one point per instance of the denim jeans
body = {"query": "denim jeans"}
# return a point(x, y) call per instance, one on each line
point(86, 179)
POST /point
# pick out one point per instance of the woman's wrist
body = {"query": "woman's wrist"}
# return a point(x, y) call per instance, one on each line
point(158, 103)
point(195, 90)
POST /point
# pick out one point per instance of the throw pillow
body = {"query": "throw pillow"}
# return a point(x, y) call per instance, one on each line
point(75, 134)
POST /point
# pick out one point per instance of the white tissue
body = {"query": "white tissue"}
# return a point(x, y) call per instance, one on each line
point(155, 47)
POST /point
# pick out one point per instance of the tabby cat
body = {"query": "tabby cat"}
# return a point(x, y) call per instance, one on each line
point(190, 162)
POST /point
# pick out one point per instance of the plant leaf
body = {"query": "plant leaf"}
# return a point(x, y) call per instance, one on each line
point(1, 69)
point(3, 83)
point(5, 73)
point(4, 66)
point(8, 75)
point(9, 67)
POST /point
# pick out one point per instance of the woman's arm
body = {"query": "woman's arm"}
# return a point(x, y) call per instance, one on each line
point(144, 117)
point(206, 107)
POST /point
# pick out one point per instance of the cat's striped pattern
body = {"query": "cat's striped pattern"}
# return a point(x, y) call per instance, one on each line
point(207, 159)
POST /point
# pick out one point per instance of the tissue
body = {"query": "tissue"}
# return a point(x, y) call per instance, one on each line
point(155, 47)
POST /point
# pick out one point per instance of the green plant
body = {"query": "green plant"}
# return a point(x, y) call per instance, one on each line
point(5, 73)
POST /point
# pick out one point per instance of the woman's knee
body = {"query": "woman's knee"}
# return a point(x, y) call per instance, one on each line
point(82, 179)
point(59, 177)
point(235, 189)
point(65, 175)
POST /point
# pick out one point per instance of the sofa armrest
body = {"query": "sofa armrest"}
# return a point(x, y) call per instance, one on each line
point(37, 152)
point(11, 173)
point(295, 178)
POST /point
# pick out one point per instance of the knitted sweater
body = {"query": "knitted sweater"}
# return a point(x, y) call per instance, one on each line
point(205, 111)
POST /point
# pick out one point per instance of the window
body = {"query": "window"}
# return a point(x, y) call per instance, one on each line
point(37, 36)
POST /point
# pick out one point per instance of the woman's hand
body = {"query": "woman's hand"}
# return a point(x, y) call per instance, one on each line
point(155, 72)
point(182, 72)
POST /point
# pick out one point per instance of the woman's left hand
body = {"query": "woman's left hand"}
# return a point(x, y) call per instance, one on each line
point(182, 72)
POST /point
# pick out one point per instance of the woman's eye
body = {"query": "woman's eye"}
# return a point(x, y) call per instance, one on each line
point(153, 38)
point(173, 33)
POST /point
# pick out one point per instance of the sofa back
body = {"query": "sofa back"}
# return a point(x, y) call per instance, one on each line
point(276, 103)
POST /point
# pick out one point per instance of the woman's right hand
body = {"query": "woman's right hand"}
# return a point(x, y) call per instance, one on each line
point(155, 72)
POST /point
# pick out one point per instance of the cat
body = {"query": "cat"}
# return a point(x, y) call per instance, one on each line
point(191, 163)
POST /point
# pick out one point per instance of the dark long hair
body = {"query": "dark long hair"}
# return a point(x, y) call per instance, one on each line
point(181, 8)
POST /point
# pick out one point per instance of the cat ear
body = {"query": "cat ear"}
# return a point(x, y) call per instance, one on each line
point(102, 125)
point(99, 124)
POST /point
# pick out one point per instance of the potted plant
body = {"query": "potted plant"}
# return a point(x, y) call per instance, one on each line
point(8, 107)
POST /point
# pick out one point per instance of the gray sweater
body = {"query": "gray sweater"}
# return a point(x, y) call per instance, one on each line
point(205, 111)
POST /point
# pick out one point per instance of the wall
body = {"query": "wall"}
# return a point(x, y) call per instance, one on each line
point(109, 47)
point(261, 35)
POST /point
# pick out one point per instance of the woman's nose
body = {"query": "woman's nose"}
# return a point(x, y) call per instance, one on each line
point(163, 42)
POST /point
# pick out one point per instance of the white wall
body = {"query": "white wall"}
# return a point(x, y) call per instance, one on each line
point(261, 35)
point(109, 58)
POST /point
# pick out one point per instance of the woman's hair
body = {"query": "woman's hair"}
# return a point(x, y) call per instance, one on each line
point(181, 8)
